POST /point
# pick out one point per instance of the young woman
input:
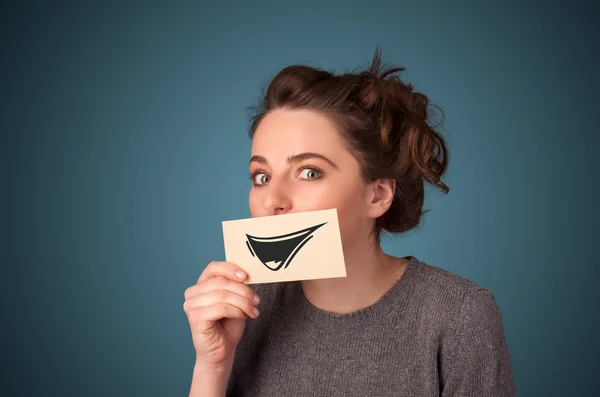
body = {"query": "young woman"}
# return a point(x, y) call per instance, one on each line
point(395, 326)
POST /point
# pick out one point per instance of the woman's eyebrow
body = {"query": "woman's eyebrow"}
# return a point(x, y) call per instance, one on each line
point(297, 158)
point(305, 156)
point(259, 159)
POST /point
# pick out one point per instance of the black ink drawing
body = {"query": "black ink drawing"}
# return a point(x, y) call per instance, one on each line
point(278, 251)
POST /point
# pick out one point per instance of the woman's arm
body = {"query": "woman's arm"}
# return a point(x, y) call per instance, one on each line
point(209, 382)
point(480, 364)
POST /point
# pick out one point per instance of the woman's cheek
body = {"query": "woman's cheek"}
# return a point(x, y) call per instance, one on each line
point(255, 204)
point(350, 217)
point(308, 198)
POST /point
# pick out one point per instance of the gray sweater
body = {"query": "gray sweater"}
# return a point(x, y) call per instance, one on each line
point(433, 333)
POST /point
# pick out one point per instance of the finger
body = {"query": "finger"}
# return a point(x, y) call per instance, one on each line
point(222, 296)
point(220, 282)
point(224, 269)
point(218, 311)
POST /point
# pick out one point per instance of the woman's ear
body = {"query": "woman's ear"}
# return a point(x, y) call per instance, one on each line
point(381, 195)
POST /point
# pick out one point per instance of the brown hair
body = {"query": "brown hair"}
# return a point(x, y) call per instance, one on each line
point(384, 122)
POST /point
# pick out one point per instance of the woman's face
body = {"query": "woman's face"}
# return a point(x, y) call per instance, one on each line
point(300, 163)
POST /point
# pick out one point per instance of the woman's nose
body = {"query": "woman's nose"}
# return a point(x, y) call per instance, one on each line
point(276, 199)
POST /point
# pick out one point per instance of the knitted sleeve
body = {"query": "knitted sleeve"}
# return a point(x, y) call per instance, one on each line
point(480, 363)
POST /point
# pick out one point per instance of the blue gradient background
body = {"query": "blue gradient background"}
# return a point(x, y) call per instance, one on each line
point(124, 146)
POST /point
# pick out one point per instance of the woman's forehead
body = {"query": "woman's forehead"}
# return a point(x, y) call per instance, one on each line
point(295, 131)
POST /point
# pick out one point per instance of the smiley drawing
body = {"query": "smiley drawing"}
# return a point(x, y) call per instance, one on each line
point(277, 252)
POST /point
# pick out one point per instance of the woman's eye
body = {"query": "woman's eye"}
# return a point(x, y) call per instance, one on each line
point(310, 173)
point(261, 178)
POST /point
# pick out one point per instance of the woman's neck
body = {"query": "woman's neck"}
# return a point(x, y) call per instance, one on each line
point(370, 274)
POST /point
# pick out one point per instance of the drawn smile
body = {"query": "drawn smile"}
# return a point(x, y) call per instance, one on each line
point(278, 251)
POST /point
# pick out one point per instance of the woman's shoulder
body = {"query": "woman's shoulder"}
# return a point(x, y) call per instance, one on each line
point(441, 278)
point(451, 296)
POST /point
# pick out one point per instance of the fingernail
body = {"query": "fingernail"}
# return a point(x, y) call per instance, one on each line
point(256, 312)
point(240, 275)
point(256, 299)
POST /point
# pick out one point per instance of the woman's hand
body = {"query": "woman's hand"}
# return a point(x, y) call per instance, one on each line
point(217, 308)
